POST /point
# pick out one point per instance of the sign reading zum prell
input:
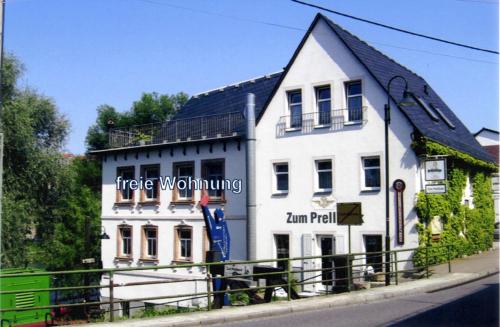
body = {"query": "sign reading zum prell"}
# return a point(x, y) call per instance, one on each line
point(435, 170)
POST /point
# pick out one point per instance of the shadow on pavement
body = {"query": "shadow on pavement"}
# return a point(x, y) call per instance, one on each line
point(476, 309)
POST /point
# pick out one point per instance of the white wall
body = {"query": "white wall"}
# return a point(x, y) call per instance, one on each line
point(325, 60)
point(166, 216)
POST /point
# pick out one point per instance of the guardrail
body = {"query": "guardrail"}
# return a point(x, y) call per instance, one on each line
point(178, 130)
point(358, 270)
point(327, 120)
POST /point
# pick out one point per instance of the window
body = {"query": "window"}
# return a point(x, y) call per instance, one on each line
point(184, 171)
point(281, 179)
point(282, 242)
point(149, 242)
point(124, 246)
point(354, 102)
point(324, 175)
point(150, 173)
point(373, 247)
point(125, 193)
point(183, 247)
point(323, 105)
point(295, 108)
point(371, 173)
point(213, 172)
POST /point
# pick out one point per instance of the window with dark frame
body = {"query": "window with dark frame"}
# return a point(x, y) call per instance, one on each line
point(295, 108)
point(183, 171)
point(282, 242)
point(324, 174)
point(281, 174)
point(213, 172)
point(125, 194)
point(371, 172)
point(124, 241)
point(354, 101)
point(323, 104)
point(152, 173)
point(150, 242)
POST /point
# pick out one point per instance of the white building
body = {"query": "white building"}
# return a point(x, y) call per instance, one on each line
point(319, 142)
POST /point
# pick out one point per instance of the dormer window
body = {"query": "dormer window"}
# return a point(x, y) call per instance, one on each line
point(295, 108)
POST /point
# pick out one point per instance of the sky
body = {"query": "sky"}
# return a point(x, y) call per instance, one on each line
point(86, 53)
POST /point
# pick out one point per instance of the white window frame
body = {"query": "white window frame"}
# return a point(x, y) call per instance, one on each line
point(347, 96)
point(289, 109)
point(363, 172)
point(275, 177)
point(178, 167)
point(121, 241)
point(317, 88)
point(126, 240)
point(145, 243)
point(145, 170)
point(188, 243)
point(317, 189)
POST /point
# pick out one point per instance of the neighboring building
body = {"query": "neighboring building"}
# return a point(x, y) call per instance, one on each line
point(489, 139)
point(319, 142)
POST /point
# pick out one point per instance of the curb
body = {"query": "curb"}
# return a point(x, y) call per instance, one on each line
point(304, 305)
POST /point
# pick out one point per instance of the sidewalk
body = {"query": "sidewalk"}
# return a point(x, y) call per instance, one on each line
point(474, 264)
point(463, 270)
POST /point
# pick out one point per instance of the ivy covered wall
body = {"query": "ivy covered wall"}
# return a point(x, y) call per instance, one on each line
point(465, 230)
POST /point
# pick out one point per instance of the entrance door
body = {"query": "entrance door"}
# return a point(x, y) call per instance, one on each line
point(327, 245)
point(373, 243)
point(282, 242)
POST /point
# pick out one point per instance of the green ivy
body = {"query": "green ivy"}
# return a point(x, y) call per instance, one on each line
point(426, 146)
point(465, 231)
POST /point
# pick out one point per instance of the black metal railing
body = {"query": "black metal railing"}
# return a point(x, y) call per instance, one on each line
point(178, 130)
point(333, 120)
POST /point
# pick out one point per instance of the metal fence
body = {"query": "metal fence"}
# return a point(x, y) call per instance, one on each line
point(331, 120)
point(178, 130)
point(332, 274)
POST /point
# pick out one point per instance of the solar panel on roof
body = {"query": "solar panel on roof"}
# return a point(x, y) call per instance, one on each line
point(426, 107)
point(443, 116)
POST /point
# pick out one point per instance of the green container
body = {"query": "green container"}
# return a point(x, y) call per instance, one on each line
point(19, 280)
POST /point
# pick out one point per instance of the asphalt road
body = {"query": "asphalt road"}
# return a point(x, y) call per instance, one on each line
point(472, 304)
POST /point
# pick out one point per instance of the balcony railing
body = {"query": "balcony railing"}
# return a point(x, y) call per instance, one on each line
point(179, 130)
point(332, 120)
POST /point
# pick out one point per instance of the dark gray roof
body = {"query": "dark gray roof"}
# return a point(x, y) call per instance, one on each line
point(447, 129)
point(383, 68)
point(230, 98)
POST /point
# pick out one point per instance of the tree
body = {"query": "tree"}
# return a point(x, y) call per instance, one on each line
point(150, 108)
point(49, 201)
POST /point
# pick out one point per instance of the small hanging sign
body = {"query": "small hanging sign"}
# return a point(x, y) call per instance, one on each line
point(435, 169)
point(399, 186)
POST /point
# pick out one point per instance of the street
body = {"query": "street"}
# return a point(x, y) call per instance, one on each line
point(472, 304)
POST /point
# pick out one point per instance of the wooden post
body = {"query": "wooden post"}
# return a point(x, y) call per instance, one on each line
point(448, 254)
point(209, 292)
point(396, 266)
point(427, 261)
point(349, 272)
point(111, 298)
point(289, 281)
